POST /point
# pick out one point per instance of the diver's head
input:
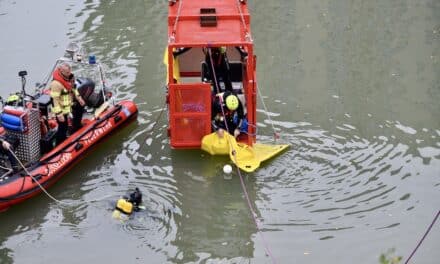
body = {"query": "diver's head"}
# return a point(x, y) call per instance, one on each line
point(136, 197)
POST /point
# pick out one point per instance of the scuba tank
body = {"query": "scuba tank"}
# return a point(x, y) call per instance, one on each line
point(127, 204)
point(124, 206)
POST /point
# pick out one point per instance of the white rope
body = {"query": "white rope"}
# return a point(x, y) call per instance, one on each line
point(35, 180)
point(177, 20)
point(46, 192)
point(267, 113)
point(242, 20)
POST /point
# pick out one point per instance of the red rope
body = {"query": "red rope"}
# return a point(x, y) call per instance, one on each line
point(254, 217)
point(243, 186)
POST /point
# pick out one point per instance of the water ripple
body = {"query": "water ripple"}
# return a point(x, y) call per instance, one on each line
point(333, 179)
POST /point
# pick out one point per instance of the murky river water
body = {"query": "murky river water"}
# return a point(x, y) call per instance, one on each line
point(353, 86)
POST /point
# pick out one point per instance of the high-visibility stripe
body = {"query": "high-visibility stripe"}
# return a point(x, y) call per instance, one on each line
point(66, 110)
point(12, 98)
point(56, 109)
point(64, 104)
point(66, 100)
point(75, 92)
point(55, 93)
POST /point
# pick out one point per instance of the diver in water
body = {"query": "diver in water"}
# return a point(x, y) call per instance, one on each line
point(128, 204)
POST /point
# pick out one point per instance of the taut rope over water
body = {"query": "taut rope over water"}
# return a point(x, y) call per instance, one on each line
point(275, 134)
point(424, 236)
point(243, 185)
point(154, 125)
point(251, 208)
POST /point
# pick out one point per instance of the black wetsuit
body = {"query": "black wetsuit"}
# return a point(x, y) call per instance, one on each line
point(233, 118)
point(221, 69)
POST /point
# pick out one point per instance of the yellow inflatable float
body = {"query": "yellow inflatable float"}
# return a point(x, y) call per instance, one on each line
point(246, 158)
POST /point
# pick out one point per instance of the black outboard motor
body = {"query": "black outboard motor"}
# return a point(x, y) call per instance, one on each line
point(86, 88)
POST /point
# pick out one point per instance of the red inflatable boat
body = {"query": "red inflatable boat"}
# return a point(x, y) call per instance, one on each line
point(42, 161)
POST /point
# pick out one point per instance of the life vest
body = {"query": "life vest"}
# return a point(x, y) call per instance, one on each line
point(60, 78)
point(65, 96)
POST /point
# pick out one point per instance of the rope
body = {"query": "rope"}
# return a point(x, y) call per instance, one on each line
point(243, 186)
point(35, 180)
point(239, 2)
point(275, 134)
point(424, 236)
point(234, 153)
point(251, 208)
point(18, 192)
point(177, 20)
point(247, 33)
point(218, 90)
point(77, 139)
point(46, 192)
point(102, 82)
point(152, 128)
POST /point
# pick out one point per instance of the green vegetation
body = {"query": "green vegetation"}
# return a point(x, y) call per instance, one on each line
point(389, 257)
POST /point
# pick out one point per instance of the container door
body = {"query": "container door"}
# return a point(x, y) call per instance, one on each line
point(190, 114)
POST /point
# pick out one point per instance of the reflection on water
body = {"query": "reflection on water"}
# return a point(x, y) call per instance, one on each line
point(217, 226)
point(361, 115)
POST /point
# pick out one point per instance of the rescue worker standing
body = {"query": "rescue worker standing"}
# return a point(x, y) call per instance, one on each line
point(66, 100)
point(220, 67)
point(233, 113)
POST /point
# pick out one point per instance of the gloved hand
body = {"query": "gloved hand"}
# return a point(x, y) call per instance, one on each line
point(60, 117)
point(220, 132)
point(6, 145)
point(236, 132)
point(81, 101)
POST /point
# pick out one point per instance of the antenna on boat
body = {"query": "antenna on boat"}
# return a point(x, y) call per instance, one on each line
point(22, 74)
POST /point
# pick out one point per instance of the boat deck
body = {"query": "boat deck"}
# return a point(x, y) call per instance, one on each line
point(194, 23)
